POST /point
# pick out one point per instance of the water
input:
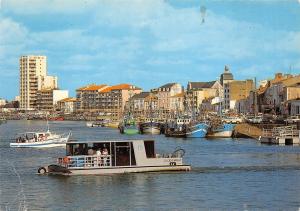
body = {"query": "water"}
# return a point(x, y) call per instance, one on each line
point(227, 174)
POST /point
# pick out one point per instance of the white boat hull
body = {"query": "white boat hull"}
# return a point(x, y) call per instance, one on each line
point(151, 130)
point(122, 170)
point(221, 134)
point(61, 142)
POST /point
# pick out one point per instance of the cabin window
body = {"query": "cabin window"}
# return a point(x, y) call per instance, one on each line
point(149, 148)
point(122, 154)
point(76, 149)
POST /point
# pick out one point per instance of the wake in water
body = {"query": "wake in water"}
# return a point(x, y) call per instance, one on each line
point(20, 197)
point(229, 169)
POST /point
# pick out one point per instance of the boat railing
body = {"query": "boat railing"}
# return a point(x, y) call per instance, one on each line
point(85, 161)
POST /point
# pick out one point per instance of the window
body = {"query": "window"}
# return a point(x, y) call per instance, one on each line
point(149, 148)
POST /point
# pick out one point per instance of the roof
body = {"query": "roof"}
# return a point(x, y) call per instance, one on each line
point(168, 85)
point(200, 85)
point(120, 87)
point(103, 141)
point(69, 99)
point(179, 95)
point(141, 95)
point(92, 87)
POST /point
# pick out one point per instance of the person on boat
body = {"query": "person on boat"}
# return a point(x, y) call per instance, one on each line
point(98, 153)
point(105, 152)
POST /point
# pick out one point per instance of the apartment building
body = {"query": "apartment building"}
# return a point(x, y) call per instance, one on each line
point(235, 91)
point(107, 100)
point(198, 91)
point(177, 104)
point(87, 97)
point(67, 105)
point(47, 99)
point(33, 77)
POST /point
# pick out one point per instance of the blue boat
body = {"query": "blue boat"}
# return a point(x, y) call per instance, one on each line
point(198, 130)
point(223, 130)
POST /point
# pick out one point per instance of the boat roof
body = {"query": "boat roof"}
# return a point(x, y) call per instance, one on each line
point(105, 141)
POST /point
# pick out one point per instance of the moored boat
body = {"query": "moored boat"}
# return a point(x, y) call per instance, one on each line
point(114, 157)
point(129, 127)
point(198, 130)
point(223, 130)
point(150, 127)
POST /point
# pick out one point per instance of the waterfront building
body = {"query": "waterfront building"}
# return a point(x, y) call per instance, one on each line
point(177, 104)
point(47, 98)
point(109, 101)
point(143, 105)
point(33, 77)
point(225, 78)
point(235, 91)
point(2, 102)
point(67, 105)
point(293, 107)
point(87, 97)
point(272, 96)
point(198, 91)
point(164, 93)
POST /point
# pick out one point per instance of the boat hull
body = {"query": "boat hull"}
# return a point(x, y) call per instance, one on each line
point(197, 131)
point(131, 131)
point(121, 170)
point(225, 131)
point(42, 144)
point(150, 128)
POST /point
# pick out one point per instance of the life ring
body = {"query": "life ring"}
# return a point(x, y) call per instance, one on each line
point(42, 170)
point(66, 160)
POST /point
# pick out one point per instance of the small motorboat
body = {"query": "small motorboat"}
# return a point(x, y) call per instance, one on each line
point(114, 157)
point(41, 140)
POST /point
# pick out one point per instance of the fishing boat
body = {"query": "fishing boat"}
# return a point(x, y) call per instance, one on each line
point(177, 128)
point(41, 140)
point(197, 130)
point(129, 127)
point(223, 130)
point(150, 127)
point(114, 157)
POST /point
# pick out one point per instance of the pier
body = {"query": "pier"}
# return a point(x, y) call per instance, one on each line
point(285, 135)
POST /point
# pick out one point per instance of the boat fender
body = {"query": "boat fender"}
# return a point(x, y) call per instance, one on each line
point(42, 170)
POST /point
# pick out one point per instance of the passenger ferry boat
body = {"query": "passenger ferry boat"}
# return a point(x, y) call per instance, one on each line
point(113, 157)
point(41, 140)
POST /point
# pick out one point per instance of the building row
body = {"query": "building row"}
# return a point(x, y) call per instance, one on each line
point(39, 91)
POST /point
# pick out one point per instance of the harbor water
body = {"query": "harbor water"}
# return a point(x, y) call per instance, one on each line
point(230, 174)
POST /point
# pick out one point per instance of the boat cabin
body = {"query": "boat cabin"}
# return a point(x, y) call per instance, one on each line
point(33, 137)
point(103, 154)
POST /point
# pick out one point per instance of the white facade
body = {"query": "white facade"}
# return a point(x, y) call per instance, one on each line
point(33, 77)
point(2, 102)
point(59, 95)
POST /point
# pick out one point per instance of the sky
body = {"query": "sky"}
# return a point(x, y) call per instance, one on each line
point(148, 42)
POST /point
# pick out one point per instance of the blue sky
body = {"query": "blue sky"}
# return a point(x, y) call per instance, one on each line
point(148, 42)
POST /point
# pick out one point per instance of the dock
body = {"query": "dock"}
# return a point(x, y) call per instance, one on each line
point(284, 135)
